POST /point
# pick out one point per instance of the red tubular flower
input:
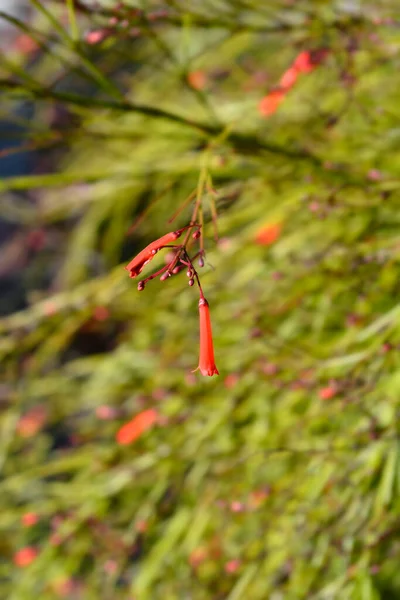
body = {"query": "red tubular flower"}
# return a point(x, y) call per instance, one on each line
point(147, 254)
point(303, 62)
point(307, 61)
point(206, 362)
point(289, 78)
point(268, 234)
point(132, 430)
point(270, 103)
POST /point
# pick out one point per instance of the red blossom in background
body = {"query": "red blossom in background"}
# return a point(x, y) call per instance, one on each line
point(29, 519)
point(206, 362)
point(25, 44)
point(289, 78)
point(106, 412)
point(328, 392)
point(101, 313)
point(197, 79)
point(96, 36)
point(33, 421)
point(232, 566)
point(270, 103)
point(305, 62)
point(25, 556)
point(268, 234)
point(197, 557)
point(132, 430)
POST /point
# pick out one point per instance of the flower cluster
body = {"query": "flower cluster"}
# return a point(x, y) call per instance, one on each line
point(305, 62)
point(181, 260)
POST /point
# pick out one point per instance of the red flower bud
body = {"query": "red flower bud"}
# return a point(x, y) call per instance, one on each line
point(147, 254)
point(206, 362)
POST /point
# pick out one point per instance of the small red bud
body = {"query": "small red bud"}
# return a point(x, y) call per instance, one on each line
point(140, 286)
point(96, 36)
point(201, 262)
point(191, 282)
point(165, 276)
point(189, 272)
point(196, 235)
point(176, 270)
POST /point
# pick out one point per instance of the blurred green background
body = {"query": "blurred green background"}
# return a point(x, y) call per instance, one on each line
point(280, 478)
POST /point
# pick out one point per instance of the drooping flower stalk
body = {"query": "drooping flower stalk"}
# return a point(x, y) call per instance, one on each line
point(180, 260)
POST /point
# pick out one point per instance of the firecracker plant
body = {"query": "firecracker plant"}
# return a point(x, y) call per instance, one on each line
point(180, 261)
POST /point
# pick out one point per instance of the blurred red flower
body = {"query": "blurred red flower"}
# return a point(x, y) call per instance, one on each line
point(101, 313)
point(96, 36)
point(305, 62)
point(33, 421)
point(197, 557)
point(134, 428)
point(270, 103)
point(327, 392)
point(268, 234)
point(232, 566)
point(25, 556)
point(29, 519)
point(289, 78)
point(25, 44)
point(197, 79)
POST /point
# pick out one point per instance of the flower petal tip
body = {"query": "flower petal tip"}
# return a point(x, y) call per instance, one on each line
point(209, 372)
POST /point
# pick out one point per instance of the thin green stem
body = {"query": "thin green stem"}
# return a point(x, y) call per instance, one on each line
point(73, 22)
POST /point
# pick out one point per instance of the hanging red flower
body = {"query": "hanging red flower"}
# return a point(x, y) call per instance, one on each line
point(206, 362)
